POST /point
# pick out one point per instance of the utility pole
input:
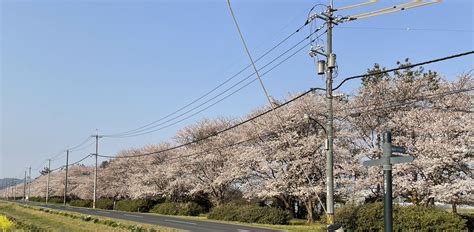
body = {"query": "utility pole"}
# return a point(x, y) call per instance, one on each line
point(7, 189)
point(95, 170)
point(327, 67)
point(29, 183)
point(387, 182)
point(47, 181)
point(65, 182)
point(24, 188)
point(14, 190)
point(12, 184)
point(330, 61)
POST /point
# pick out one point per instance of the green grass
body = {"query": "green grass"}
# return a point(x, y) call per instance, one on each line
point(53, 222)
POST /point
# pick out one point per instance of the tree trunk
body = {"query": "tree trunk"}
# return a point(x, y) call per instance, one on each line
point(310, 208)
point(455, 209)
point(429, 202)
point(432, 203)
point(286, 204)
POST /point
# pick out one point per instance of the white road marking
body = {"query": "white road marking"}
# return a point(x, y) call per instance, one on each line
point(243, 230)
point(189, 223)
point(130, 215)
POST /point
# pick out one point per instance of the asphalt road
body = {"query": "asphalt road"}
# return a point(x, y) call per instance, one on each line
point(172, 222)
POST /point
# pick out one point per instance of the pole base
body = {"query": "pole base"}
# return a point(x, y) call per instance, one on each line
point(330, 219)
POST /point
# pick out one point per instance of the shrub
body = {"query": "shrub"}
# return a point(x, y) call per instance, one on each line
point(55, 200)
point(420, 218)
point(249, 214)
point(105, 204)
point(274, 216)
point(81, 203)
point(369, 217)
point(174, 208)
point(37, 199)
point(134, 205)
point(228, 212)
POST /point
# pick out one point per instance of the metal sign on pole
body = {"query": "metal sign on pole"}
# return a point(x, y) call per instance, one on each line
point(387, 161)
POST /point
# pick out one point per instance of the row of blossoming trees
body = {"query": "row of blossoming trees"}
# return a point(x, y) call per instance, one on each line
point(280, 157)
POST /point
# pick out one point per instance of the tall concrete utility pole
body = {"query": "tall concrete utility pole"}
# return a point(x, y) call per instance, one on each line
point(330, 61)
point(95, 170)
point(14, 191)
point(29, 183)
point(327, 67)
point(65, 182)
point(7, 189)
point(47, 181)
point(24, 188)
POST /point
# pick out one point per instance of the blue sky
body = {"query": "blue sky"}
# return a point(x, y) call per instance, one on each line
point(73, 66)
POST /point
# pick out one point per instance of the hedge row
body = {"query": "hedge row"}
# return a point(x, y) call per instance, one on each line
point(104, 204)
point(369, 217)
point(174, 208)
point(134, 205)
point(250, 214)
point(81, 203)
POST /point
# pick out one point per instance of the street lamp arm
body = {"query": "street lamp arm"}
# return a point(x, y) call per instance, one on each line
point(307, 117)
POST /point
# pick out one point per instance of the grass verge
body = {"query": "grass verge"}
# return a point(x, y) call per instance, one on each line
point(28, 218)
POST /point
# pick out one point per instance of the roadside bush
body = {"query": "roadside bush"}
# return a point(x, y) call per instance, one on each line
point(175, 208)
point(228, 212)
point(37, 199)
point(420, 218)
point(134, 205)
point(250, 214)
point(369, 217)
point(55, 200)
point(346, 215)
point(104, 204)
point(81, 203)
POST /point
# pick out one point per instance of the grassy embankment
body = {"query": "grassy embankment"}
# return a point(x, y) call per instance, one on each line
point(31, 218)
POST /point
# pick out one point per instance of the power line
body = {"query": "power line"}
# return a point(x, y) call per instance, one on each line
point(409, 29)
point(406, 101)
point(226, 96)
point(82, 159)
point(404, 67)
point(208, 150)
point(286, 103)
point(83, 148)
point(298, 97)
point(144, 127)
point(229, 128)
point(80, 144)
